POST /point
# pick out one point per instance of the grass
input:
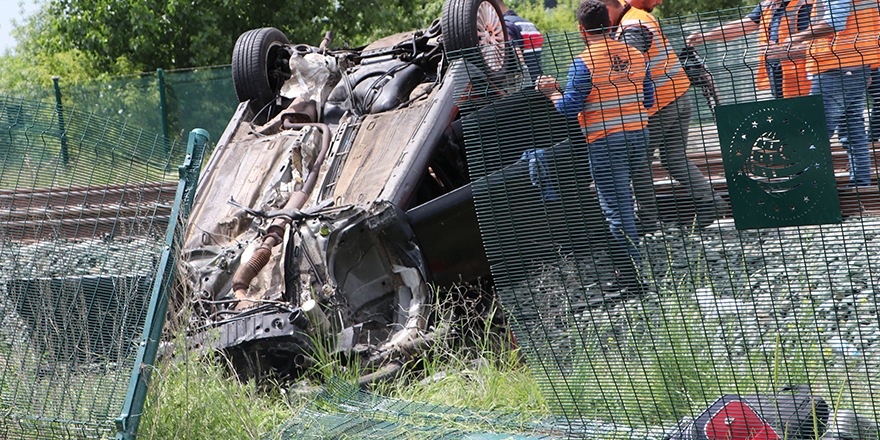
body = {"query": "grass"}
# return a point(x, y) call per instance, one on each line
point(490, 374)
point(193, 397)
point(645, 363)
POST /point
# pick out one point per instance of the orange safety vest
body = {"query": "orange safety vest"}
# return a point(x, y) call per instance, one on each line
point(670, 80)
point(794, 72)
point(856, 46)
point(617, 73)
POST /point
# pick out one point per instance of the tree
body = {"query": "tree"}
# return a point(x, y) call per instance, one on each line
point(175, 34)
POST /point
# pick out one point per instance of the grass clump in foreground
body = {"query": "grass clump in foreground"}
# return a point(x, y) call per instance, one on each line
point(196, 398)
point(473, 366)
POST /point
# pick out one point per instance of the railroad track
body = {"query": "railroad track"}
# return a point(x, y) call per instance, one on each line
point(675, 203)
point(108, 211)
point(130, 210)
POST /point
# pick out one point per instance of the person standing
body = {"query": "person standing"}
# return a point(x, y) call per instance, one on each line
point(527, 38)
point(669, 121)
point(841, 45)
point(775, 21)
point(608, 90)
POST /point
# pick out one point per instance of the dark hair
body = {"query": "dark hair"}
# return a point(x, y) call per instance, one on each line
point(592, 15)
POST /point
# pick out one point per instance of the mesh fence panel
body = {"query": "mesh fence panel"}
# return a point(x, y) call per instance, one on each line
point(742, 309)
point(133, 98)
point(640, 292)
point(194, 98)
point(200, 98)
point(747, 268)
point(85, 209)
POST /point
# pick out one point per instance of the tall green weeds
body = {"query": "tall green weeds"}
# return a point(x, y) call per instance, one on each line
point(196, 398)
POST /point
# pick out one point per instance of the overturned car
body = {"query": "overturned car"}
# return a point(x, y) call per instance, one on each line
point(338, 200)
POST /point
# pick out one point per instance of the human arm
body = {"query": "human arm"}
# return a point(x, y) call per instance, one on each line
point(571, 101)
point(726, 32)
point(836, 13)
point(834, 18)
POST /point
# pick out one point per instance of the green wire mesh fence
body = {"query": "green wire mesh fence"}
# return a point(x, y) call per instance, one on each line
point(88, 211)
point(725, 254)
point(171, 102)
point(711, 278)
point(736, 260)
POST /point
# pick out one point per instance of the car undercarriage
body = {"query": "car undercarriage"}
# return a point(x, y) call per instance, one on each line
point(338, 201)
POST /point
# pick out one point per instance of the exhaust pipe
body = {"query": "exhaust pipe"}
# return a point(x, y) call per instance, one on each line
point(246, 273)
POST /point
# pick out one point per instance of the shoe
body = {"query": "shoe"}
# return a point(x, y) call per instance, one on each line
point(620, 289)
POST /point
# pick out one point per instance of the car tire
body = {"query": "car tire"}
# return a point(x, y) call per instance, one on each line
point(476, 23)
point(260, 65)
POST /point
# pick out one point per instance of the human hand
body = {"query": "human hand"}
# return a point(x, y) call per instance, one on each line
point(775, 51)
point(547, 85)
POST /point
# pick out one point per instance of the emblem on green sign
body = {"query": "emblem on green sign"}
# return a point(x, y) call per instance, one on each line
point(777, 161)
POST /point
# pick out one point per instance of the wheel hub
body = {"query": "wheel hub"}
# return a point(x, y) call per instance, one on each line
point(491, 35)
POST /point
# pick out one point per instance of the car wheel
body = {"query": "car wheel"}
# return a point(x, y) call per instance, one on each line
point(476, 23)
point(260, 65)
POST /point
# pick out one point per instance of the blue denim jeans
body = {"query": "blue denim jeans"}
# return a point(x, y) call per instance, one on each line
point(614, 160)
point(844, 94)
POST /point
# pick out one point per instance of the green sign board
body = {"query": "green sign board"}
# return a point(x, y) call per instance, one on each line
point(777, 161)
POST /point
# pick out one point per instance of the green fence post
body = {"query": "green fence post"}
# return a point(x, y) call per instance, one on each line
point(163, 107)
point(148, 346)
point(60, 111)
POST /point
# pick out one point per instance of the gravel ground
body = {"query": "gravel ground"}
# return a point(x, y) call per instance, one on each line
point(728, 311)
point(818, 277)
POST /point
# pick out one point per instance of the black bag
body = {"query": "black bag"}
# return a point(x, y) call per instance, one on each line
point(791, 411)
point(786, 416)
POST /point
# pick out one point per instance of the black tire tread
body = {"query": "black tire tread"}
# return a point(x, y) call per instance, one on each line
point(249, 65)
point(459, 26)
